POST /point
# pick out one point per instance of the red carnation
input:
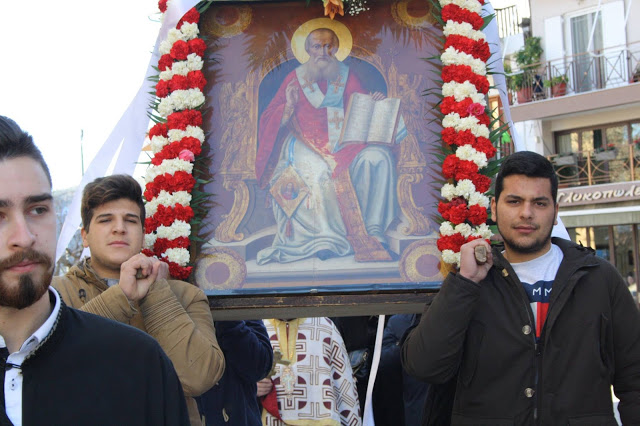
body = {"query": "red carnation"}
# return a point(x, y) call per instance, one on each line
point(163, 244)
point(179, 181)
point(450, 105)
point(162, 89)
point(451, 137)
point(192, 17)
point(196, 80)
point(179, 50)
point(462, 73)
point(449, 166)
point(173, 149)
point(452, 12)
point(165, 62)
point(451, 242)
point(166, 215)
point(477, 215)
point(484, 145)
point(159, 129)
point(148, 252)
point(465, 170)
point(479, 49)
point(484, 119)
point(177, 271)
point(481, 182)
point(197, 46)
point(162, 5)
point(182, 119)
point(457, 214)
point(178, 82)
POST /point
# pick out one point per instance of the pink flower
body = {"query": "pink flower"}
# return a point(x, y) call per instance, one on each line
point(186, 155)
point(475, 109)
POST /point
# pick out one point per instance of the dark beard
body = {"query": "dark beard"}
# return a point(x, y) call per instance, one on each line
point(314, 74)
point(27, 292)
point(534, 247)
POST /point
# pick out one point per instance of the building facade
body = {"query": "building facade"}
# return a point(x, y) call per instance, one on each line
point(580, 106)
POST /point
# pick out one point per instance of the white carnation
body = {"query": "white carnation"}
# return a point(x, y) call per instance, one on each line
point(451, 56)
point(189, 30)
point(167, 74)
point(469, 153)
point(464, 29)
point(464, 229)
point(448, 191)
point(460, 91)
point(446, 228)
point(479, 199)
point(150, 240)
point(167, 199)
point(158, 142)
point(472, 5)
point(166, 107)
point(177, 255)
point(168, 166)
point(467, 123)
point(465, 188)
point(177, 229)
point(483, 231)
point(190, 131)
point(194, 62)
point(180, 68)
point(449, 256)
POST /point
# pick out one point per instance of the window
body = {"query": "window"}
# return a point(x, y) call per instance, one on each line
point(618, 135)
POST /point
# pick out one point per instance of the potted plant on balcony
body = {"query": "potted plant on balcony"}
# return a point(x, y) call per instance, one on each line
point(606, 153)
point(558, 85)
point(527, 58)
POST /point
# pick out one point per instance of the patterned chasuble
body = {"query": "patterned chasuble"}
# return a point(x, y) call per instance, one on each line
point(314, 382)
point(537, 278)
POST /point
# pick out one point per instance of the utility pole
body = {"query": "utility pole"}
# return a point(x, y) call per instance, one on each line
point(82, 151)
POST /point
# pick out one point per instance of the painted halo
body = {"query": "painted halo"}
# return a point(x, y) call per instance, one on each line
point(300, 36)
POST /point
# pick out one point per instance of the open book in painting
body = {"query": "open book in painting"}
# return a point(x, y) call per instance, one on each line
point(369, 121)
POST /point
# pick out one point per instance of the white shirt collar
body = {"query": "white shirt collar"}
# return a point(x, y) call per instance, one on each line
point(40, 334)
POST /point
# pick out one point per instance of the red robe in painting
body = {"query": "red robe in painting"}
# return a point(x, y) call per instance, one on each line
point(313, 125)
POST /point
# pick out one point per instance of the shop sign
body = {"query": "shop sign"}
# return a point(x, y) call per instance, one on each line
point(598, 194)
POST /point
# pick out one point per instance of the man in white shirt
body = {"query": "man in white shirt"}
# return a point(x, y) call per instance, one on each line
point(58, 365)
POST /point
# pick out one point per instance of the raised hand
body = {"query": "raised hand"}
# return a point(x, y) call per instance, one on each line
point(138, 273)
point(469, 267)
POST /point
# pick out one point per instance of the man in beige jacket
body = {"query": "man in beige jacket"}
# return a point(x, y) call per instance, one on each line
point(120, 283)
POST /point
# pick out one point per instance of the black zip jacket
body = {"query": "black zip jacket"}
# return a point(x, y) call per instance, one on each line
point(485, 333)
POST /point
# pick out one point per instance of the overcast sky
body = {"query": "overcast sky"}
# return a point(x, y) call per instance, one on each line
point(69, 66)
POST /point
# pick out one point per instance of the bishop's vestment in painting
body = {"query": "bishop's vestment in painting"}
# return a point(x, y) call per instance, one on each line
point(313, 377)
point(340, 194)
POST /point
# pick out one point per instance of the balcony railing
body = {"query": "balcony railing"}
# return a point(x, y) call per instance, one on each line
point(583, 168)
point(584, 72)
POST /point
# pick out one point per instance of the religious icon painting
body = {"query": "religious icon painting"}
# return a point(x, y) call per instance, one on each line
point(321, 153)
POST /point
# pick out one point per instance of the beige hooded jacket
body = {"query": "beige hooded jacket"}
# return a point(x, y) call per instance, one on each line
point(173, 312)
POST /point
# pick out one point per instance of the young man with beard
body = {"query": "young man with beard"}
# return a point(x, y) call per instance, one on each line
point(58, 365)
point(120, 283)
point(538, 333)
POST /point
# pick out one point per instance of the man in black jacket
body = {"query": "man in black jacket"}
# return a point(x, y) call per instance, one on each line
point(538, 333)
point(58, 365)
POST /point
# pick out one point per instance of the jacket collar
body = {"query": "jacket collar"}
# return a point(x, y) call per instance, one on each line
point(83, 271)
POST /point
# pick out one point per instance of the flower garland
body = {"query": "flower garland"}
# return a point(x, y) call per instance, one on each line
point(465, 128)
point(176, 141)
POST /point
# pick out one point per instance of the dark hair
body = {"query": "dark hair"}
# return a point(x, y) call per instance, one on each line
point(15, 143)
point(106, 189)
point(529, 164)
point(329, 30)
